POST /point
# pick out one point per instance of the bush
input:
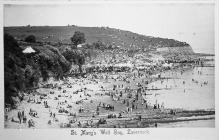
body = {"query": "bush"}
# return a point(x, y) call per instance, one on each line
point(22, 72)
point(30, 39)
point(14, 61)
point(78, 38)
point(75, 56)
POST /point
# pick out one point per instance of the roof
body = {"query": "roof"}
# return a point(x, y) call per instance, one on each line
point(29, 49)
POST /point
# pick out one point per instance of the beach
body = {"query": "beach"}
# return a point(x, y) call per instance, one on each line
point(121, 99)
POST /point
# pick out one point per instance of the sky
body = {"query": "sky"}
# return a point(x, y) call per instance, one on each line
point(188, 22)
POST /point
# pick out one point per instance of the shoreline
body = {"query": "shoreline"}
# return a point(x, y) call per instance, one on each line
point(148, 119)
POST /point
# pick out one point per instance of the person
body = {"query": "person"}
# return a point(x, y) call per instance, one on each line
point(12, 119)
point(49, 122)
point(155, 107)
point(22, 114)
point(30, 123)
point(19, 116)
point(24, 119)
point(139, 117)
point(133, 106)
point(162, 105)
point(79, 124)
point(6, 117)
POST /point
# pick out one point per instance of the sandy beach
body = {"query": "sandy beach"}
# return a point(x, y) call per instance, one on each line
point(120, 100)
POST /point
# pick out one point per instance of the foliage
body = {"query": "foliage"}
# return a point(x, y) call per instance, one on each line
point(30, 39)
point(78, 38)
point(14, 61)
point(116, 37)
point(50, 60)
point(23, 71)
point(75, 56)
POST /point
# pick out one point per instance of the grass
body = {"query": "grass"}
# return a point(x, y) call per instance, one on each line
point(116, 37)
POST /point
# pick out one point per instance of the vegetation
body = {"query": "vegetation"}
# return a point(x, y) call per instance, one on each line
point(30, 39)
point(55, 55)
point(109, 36)
point(78, 38)
point(14, 61)
point(24, 71)
point(75, 56)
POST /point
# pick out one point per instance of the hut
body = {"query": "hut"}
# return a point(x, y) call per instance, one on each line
point(28, 50)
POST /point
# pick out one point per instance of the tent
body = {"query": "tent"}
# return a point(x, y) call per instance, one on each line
point(29, 49)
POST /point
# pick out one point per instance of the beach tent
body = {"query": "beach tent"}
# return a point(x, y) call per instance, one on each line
point(29, 49)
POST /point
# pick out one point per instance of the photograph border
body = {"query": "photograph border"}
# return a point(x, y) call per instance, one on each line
point(150, 133)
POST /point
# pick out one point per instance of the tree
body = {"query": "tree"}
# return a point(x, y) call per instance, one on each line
point(14, 63)
point(30, 39)
point(11, 46)
point(75, 56)
point(78, 38)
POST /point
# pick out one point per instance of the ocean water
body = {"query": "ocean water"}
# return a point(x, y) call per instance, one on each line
point(182, 92)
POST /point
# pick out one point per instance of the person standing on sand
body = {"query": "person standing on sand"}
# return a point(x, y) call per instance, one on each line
point(24, 119)
point(146, 106)
point(23, 114)
point(128, 109)
point(19, 116)
point(162, 105)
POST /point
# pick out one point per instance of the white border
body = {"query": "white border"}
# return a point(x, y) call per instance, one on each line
point(155, 133)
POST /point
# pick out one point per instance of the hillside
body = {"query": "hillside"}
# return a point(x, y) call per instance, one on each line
point(56, 56)
point(24, 71)
point(106, 35)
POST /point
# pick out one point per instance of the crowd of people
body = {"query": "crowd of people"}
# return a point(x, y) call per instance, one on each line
point(105, 92)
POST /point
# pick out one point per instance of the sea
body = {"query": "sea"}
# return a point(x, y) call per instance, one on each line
point(191, 89)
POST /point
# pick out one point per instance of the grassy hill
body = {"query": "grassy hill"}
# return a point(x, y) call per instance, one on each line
point(24, 71)
point(108, 36)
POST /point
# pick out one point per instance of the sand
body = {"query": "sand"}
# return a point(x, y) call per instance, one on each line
point(88, 93)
